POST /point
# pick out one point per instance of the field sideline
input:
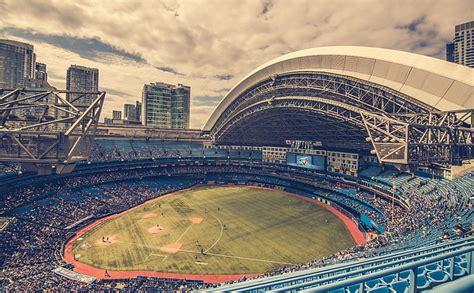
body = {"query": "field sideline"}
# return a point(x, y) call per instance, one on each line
point(229, 230)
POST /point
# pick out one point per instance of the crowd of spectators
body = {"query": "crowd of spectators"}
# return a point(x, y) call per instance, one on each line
point(9, 168)
point(47, 214)
point(107, 150)
point(31, 245)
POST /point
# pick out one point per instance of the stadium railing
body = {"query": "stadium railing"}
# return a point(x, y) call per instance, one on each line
point(390, 277)
point(383, 266)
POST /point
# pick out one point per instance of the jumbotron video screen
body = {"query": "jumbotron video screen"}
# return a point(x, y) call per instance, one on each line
point(306, 161)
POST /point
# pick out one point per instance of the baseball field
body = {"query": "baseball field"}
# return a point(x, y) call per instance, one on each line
point(215, 230)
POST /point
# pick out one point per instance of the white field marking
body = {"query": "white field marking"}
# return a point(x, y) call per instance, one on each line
point(164, 258)
point(155, 254)
point(201, 263)
point(179, 238)
point(213, 254)
point(220, 235)
point(249, 258)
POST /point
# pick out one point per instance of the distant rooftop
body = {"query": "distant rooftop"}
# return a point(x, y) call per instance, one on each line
point(168, 85)
point(83, 68)
point(464, 26)
point(16, 43)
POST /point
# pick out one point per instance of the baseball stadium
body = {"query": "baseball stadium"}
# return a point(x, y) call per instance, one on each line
point(332, 169)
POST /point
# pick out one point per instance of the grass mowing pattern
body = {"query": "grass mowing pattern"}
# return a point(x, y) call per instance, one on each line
point(264, 229)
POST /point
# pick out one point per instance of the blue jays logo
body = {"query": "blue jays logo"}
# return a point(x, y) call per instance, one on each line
point(303, 161)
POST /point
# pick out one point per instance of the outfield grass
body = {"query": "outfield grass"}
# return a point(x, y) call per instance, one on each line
point(264, 229)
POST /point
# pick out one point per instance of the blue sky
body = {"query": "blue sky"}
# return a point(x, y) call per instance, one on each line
point(211, 44)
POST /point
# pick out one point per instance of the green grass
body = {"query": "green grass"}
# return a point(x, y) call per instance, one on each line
point(264, 230)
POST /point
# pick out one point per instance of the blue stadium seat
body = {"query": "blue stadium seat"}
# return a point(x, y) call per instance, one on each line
point(432, 267)
point(372, 283)
point(459, 258)
point(400, 286)
point(389, 279)
point(404, 275)
point(446, 263)
point(459, 271)
point(438, 276)
point(422, 282)
point(353, 289)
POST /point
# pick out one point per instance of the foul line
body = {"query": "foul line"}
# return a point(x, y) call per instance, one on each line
point(155, 254)
point(213, 254)
point(220, 236)
point(184, 233)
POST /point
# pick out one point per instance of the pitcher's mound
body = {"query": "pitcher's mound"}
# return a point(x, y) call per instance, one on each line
point(196, 220)
point(171, 248)
point(155, 230)
point(107, 240)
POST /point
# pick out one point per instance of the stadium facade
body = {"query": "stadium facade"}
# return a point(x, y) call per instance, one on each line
point(373, 99)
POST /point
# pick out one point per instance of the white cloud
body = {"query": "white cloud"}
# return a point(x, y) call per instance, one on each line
point(208, 38)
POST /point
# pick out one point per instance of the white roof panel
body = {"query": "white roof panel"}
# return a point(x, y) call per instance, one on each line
point(436, 82)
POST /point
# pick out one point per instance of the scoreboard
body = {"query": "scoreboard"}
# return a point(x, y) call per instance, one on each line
point(306, 161)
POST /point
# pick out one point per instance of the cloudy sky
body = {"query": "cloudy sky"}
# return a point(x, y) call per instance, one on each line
point(211, 44)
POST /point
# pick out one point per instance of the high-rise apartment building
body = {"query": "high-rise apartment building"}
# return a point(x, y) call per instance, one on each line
point(40, 79)
point(130, 112)
point(80, 78)
point(138, 109)
point(116, 115)
point(17, 63)
point(463, 52)
point(180, 106)
point(450, 52)
point(40, 72)
point(156, 100)
point(166, 105)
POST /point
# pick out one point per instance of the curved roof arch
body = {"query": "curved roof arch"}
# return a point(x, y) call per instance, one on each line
point(437, 83)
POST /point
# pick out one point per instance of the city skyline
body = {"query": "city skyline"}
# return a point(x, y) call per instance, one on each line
point(190, 43)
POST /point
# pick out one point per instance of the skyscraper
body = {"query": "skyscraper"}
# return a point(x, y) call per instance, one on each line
point(138, 109)
point(17, 63)
point(180, 104)
point(40, 72)
point(157, 105)
point(40, 79)
point(129, 112)
point(464, 44)
point(116, 115)
point(166, 105)
point(450, 52)
point(80, 78)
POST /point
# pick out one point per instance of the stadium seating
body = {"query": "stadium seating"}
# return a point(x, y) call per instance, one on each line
point(49, 209)
point(371, 172)
point(432, 265)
